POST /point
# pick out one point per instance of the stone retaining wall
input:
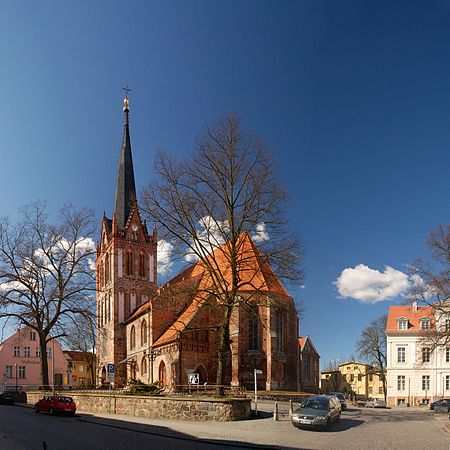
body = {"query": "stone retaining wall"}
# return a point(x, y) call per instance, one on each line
point(220, 410)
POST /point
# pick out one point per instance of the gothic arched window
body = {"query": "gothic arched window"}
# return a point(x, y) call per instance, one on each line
point(279, 330)
point(142, 265)
point(253, 329)
point(132, 338)
point(144, 332)
point(129, 263)
point(144, 365)
point(107, 269)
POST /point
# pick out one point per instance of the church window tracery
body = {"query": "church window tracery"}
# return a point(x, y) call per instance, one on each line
point(132, 338)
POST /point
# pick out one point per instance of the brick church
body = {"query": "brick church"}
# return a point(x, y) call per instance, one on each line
point(170, 333)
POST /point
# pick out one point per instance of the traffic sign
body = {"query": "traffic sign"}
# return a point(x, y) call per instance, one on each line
point(111, 370)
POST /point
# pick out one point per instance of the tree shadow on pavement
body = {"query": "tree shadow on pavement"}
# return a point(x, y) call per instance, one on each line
point(175, 439)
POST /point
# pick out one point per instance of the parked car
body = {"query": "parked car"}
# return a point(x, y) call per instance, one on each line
point(341, 398)
point(375, 403)
point(54, 404)
point(318, 411)
point(444, 402)
point(6, 398)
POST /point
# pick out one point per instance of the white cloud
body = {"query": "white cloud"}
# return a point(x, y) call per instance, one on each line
point(261, 234)
point(372, 286)
point(165, 249)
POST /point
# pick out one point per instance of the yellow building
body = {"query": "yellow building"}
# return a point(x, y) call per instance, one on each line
point(81, 368)
point(354, 379)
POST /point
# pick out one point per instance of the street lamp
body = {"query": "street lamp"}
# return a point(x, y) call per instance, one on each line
point(15, 365)
point(152, 354)
point(256, 372)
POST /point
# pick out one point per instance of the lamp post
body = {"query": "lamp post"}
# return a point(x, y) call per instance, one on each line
point(256, 372)
point(53, 366)
point(151, 356)
point(15, 366)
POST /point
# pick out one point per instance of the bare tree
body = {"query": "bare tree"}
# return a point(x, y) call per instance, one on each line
point(81, 338)
point(432, 286)
point(206, 205)
point(46, 272)
point(372, 347)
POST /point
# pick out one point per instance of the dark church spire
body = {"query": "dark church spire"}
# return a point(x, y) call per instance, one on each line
point(125, 186)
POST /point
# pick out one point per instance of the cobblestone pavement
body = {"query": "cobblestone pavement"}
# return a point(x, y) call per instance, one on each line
point(397, 428)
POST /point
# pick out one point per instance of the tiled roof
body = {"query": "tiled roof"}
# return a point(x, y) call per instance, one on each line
point(254, 272)
point(76, 355)
point(407, 312)
point(302, 342)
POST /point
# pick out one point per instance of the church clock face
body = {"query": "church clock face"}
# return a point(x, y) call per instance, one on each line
point(134, 227)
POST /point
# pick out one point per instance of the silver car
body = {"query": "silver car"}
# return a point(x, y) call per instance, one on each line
point(319, 411)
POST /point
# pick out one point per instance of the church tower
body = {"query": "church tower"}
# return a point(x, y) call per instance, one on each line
point(126, 267)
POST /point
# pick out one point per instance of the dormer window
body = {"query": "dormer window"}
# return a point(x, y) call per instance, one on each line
point(402, 324)
point(425, 324)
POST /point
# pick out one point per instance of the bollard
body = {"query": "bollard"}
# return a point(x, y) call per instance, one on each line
point(291, 408)
point(275, 411)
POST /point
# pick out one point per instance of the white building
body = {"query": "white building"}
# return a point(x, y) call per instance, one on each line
point(416, 373)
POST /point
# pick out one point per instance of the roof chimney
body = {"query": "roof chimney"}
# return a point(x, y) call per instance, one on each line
point(414, 306)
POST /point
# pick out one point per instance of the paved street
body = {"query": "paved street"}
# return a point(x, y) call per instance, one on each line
point(21, 428)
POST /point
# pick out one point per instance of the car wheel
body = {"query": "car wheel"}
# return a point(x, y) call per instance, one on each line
point(36, 409)
point(51, 411)
point(327, 426)
point(338, 418)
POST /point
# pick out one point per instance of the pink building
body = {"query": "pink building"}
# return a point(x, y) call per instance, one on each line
point(20, 360)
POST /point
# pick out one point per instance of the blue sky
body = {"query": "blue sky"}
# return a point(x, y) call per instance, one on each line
point(353, 98)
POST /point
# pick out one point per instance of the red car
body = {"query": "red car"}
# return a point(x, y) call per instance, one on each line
point(54, 404)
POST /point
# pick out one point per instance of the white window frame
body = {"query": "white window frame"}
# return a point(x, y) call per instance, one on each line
point(401, 382)
point(425, 324)
point(403, 324)
point(426, 355)
point(401, 351)
point(447, 382)
point(425, 382)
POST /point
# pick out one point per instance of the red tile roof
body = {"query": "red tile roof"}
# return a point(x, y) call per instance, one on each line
point(407, 312)
point(255, 274)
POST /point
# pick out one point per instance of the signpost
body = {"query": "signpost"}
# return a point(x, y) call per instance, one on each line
point(256, 372)
point(111, 371)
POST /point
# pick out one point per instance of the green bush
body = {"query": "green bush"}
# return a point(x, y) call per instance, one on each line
point(139, 388)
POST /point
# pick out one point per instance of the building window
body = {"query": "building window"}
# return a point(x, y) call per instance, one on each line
point(144, 332)
point(308, 367)
point(370, 377)
point(352, 377)
point(26, 352)
point(81, 368)
point(38, 352)
point(144, 365)
point(129, 263)
point(380, 390)
point(425, 382)
point(402, 324)
point(49, 353)
point(107, 269)
point(132, 338)
point(279, 330)
point(9, 372)
point(359, 377)
point(426, 354)
point(253, 329)
point(447, 382)
point(425, 324)
point(32, 335)
point(370, 390)
point(447, 324)
point(401, 354)
point(17, 350)
point(447, 354)
point(400, 382)
point(21, 371)
point(142, 265)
